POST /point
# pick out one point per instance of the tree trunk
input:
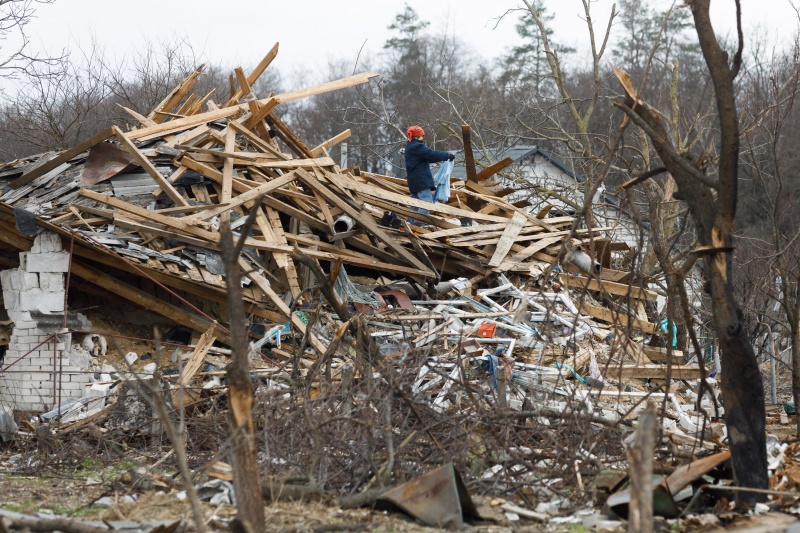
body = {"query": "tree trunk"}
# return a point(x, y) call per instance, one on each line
point(795, 334)
point(742, 389)
point(246, 484)
point(712, 203)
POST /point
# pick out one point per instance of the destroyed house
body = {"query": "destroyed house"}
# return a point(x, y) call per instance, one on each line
point(527, 165)
point(130, 221)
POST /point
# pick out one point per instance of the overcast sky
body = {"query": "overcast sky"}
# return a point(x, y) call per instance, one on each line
point(311, 32)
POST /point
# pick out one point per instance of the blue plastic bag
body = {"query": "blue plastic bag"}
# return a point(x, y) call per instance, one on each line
point(442, 181)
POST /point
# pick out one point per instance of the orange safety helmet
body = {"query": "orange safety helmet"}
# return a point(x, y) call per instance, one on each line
point(414, 131)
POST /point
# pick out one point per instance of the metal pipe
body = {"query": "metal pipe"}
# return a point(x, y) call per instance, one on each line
point(343, 224)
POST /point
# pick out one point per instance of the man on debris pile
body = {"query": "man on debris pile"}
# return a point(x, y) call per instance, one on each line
point(418, 167)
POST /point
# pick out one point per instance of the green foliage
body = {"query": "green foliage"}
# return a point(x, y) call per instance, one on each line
point(406, 44)
point(527, 63)
point(642, 27)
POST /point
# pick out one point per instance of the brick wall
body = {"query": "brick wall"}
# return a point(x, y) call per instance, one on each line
point(34, 289)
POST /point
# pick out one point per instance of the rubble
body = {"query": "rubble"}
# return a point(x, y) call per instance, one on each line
point(486, 307)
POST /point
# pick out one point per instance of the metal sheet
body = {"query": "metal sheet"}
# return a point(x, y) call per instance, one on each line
point(438, 498)
point(105, 160)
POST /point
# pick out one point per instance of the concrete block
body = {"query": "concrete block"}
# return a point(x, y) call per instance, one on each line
point(37, 299)
point(23, 260)
point(17, 315)
point(48, 262)
point(11, 279)
point(42, 361)
point(11, 301)
point(5, 278)
point(46, 242)
point(30, 280)
point(51, 281)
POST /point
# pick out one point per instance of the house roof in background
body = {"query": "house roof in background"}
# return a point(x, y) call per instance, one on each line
point(517, 153)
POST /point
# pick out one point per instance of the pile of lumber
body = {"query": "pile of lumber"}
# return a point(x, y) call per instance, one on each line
point(149, 201)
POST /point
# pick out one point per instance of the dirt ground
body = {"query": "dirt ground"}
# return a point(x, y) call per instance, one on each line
point(74, 491)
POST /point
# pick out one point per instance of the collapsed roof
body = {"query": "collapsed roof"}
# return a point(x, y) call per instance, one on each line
point(148, 202)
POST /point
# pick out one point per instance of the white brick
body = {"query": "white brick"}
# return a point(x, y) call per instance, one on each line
point(11, 301)
point(69, 386)
point(42, 362)
point(5, 278)
point(30, 280)
point(19, 316)
point(48, 262)
point(51, 281)
point(46, 242)
point(11, 279)
point(35, 299)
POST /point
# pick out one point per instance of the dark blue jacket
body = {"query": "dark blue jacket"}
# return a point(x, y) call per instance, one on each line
point(418, 165)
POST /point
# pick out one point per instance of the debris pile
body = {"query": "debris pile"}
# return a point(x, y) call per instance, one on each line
point(479, 311)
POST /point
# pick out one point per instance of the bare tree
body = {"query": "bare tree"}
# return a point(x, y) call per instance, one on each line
point(15, 55)
point(712, 203)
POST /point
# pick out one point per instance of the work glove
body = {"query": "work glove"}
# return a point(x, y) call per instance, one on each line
point(451, 157)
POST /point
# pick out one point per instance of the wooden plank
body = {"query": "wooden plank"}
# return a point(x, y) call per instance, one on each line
point(160, 112)
point(143, 299)
point(143, 120)
point(210, 240)
point(528, 252)
point(90, 251)
point(242, 198)
point(61, 158)
point(678, 372)
point(463, 230)
point(484, 195)
point(202, 118)
point(659, 355)
point(145, 163)
point(296, 163)
point(490, 171)
point(196, 360)
point(364, 220)
point(253, 76)
point(617, 289)
point(241, 79)
point(335, 85)
point(370, 190)
point(260, 113)
point(469, 157)
point(507, 239)
point(262, 284)
point(227, 170)
point(621, 319)
point(284, 260)
point(176, 223)
point(289, 137)
point(323, 147)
